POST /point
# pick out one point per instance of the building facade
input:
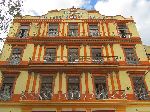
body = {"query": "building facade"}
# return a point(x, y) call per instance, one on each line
point(74, 60)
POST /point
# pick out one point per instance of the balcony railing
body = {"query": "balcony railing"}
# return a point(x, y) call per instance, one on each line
point(5, 94)
point(14, 60)
point(125, 35)
point(142, 95)
point(73, 95)
point(132, 60)
point(79, 59)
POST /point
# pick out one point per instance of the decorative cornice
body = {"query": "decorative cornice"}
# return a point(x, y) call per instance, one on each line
point(74, 40)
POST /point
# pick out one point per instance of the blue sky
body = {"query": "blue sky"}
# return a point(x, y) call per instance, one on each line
point(138, 9)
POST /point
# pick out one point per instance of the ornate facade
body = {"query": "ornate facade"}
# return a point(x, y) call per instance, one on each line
point(74, 60)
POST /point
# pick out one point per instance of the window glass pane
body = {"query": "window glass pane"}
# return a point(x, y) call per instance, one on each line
point(23, 32)
point(46, 87)
point(100, 87)
point(93, 30)
point(15, 57)
point(50, 55)
point(140, 88)
point(130, 56)
point(73, 55)
point(73, 30)
point(53, 29)
point(73, 88)
point(6, 89)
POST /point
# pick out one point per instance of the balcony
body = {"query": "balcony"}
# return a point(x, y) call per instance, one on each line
point(14, 60)
point(132, 60)
point(77, 59)
point(125, 35)
point(5, 94)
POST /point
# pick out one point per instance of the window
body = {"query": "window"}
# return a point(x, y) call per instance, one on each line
point(24, 31)
point(46, 87)
point(7, 87)
point(73, 88)
point(130, 56)
point(123, 31)
point(50, 55)
point(73, 55)
point(93, 30)
point(73, 30)
point(100, 87)
point(53, 29)
point(97, 55)
point(140, 88)
point(15, 57)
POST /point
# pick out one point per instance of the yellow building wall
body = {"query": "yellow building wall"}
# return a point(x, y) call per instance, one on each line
point(64, 83)
point(42, 54)
point(141, 52)
point(34, 27)
point(115, 81)
point(13, 29)
point(147, 80)
point(81, 29)
point(65, 53)
point(90, 84)
point(83, 83)
point(132, 28)
point(112, 29)
point(125, 82)
point(86, 29)
point(10, 109)
point(66, 29)
point(61, 28)
point(31, 82)
point(6, 52)
point(105, 29)
point(21, 82)
point(44, 109)
point(109, 83)
point(28, 52)
point(46, 30)
point(81, 50)
point(1, 77)
point(37, 83)
point(56, 87)
point(37, 52)
point(138, 108)
point(59, 52)
point(42, 29)
point(118, 51)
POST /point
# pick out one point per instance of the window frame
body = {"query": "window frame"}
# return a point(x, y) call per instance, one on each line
point(49, 28)
point(137, 74)
point(93, 83)
point(98, 28)
point(78, 29)
point(135, 54)
point(53, 82)
point(80, 84)
point(21, 55)
point(127, 32)
point(73, 47)
point(19, 28)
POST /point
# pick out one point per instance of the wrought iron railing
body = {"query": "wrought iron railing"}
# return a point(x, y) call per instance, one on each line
point(14, 60)
point(78, 59)
point(125, 35)
point(132, 60)
point(117, 94)
point(43, 95)
point(142, 95)
point(73, 95)
point(5, 94)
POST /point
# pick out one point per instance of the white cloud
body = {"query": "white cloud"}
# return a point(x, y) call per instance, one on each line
point(139, 9)
point(33, 7)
